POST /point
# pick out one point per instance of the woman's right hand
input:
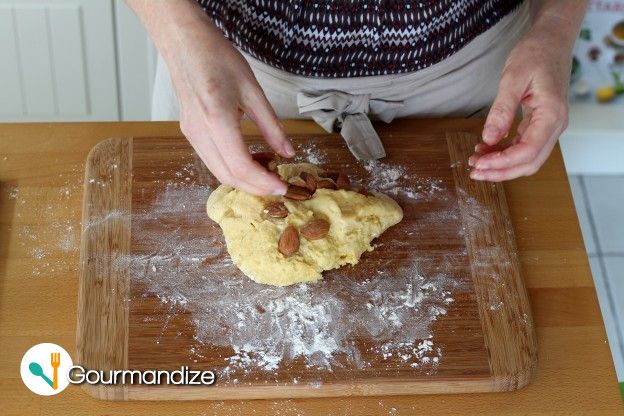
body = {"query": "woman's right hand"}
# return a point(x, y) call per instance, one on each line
point(215, 87)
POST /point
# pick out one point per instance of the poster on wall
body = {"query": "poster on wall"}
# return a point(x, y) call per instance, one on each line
point(598, 63)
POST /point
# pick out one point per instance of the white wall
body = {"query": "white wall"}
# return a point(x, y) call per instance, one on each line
point(73, 60)
point(58, 61)
point(593, 144)
point(136, 64)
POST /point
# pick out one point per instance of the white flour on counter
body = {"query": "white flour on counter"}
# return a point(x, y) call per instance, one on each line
point(54, 247)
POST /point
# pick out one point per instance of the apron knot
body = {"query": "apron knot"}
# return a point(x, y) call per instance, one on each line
point(337, 111)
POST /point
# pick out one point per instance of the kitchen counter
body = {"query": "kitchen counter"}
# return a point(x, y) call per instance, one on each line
point(41, 177)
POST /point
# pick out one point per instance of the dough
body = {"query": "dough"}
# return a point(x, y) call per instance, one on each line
point(252, 238)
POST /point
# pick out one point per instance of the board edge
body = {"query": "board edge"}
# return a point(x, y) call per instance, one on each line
point(513, 365)
point(102, 344)
point(479, 384)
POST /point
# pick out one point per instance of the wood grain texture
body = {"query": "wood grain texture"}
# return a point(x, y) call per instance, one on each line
point(503, 304)
point(102, 329)
point(487, 335)
point(40, 161)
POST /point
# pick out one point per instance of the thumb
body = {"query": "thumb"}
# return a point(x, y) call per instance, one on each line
point(511, 90)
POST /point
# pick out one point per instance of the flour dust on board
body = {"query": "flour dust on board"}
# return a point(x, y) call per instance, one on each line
point(267, 326)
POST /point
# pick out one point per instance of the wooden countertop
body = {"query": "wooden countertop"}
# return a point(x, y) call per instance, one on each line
point(41, 173)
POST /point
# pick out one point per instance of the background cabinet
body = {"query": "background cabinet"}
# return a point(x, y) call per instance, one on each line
point(73, 60)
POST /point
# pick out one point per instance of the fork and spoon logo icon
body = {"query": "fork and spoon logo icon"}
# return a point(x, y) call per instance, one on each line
point(55, 361)
point(37, 364)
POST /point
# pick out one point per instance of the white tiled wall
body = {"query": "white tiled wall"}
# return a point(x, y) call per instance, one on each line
point(599, 203)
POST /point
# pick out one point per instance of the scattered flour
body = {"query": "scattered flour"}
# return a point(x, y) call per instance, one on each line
point(310, 153)
point(53, 247)
point(394, 180)
point(267, 326)
point(264, 326)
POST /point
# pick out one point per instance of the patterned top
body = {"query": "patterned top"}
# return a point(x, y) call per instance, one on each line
point(349, 38)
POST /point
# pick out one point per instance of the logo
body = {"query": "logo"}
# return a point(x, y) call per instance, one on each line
point(44, 369)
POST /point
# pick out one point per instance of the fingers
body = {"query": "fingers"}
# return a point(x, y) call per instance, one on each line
point(511, 90)
point(499, 175)
point(539, 131)
point(258, 108)
point(518, 154)
point(244, 172)
point(483, 149)
point(213, 160)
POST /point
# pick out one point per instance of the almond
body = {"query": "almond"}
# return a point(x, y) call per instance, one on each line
point(267, 159)
point(298, 193)
point(364, 192)
point(343, 182)
point(276, 210)
point(315, 229)
point(310, 181)
point(325, 183)
point(298, 181)
point(288, 243)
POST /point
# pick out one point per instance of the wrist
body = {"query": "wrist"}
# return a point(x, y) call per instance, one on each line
point(173, 25)
point(556, 31)
point(557, 21)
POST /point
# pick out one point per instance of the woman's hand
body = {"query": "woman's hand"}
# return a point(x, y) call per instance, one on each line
point(215, 87)
point(535, 78)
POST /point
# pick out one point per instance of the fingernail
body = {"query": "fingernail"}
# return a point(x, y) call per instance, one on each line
point(471, 161)
point(477, 176)
point(279, 191)
point(490, 133)
point(288, 148)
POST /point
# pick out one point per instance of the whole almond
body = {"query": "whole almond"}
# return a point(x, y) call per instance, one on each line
point(288, 243)
point(276, 210)
point(343, 182)
point(325, 183)
point(310, 181)
point(315, 229)
point(298, 193)
point(364, 192)
point(298, 181)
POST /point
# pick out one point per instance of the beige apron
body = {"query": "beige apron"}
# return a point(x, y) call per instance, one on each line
point(460, 86)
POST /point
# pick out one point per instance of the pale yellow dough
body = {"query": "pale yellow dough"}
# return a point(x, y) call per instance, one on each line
point(252, 240)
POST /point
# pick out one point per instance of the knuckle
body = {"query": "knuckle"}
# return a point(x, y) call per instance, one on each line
point(211, 86)
point(564, 116)
point(510, 74)
point(531, 169)
point(501, 111)
point(239, 171)
point(186, 129)
point(190, 128)
point(531, 154)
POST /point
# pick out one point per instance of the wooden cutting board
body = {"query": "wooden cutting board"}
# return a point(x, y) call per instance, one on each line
point(438, 307)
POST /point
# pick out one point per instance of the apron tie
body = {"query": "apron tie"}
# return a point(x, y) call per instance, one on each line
point(337, 111)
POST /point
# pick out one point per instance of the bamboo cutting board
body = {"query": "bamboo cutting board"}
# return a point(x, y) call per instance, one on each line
point(438, 307)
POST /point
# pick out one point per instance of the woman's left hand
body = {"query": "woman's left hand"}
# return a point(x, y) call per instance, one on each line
point(536, 78)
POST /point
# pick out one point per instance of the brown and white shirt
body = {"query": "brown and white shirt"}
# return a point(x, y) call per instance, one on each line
point(354, 38)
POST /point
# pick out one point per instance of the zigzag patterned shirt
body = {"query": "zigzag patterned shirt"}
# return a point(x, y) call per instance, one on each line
point(354, 38)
